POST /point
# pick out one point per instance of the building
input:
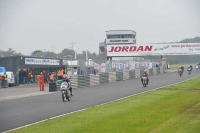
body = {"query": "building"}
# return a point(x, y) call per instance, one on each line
point(116, 37)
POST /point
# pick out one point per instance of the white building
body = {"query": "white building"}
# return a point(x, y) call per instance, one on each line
point(115, 37)
point(120, 37)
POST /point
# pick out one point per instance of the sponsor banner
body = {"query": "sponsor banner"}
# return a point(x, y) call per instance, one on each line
point(37, 61)
point(96, 66)
point(70, 62)
point(121, 65)
point(131, 66)
point(150, 65)
point(154, 49)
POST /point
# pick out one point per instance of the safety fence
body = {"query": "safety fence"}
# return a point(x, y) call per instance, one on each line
point(81, 81)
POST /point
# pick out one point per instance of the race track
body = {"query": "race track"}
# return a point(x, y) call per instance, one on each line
point(26, 110)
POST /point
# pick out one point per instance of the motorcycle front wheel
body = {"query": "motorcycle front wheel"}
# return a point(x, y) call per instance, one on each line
point(63, 96)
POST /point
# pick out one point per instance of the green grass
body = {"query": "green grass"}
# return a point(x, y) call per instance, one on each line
point(171, 109)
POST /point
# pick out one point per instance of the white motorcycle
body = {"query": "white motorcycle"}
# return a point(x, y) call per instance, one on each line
point(189, 70)
point(65, 90)
point(197, 67)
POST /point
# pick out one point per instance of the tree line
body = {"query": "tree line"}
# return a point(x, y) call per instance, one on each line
point(50, 54)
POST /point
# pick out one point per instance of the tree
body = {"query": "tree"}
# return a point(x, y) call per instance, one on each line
point(9, 52)
point(191, 40)
point(66, 52)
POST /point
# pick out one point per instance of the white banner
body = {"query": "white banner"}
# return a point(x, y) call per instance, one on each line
point(96, 66)
point(153, 49)
point(37, 61)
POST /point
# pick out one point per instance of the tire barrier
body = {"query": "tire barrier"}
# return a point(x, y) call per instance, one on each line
point(137, 73)
point(112, 77)
point(52, 86)
point(161, 70)
point(150, 71)
point(158, 70)
point(81, 81)
point(125, 75)
point(119, 76)
point(131, 74)
point(74, 82)
point(155, 71)
point(103, 78)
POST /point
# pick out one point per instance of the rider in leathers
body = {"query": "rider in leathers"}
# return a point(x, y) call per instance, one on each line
point(65, 79)
point(145, 73)
point(182, 68)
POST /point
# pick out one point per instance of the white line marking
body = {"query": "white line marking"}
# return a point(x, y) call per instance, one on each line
point(96, 105)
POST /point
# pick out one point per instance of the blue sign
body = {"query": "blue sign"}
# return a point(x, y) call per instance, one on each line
point(121, 66)
point(109, 65)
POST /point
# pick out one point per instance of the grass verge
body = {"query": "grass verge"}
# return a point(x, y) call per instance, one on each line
point(174, 108)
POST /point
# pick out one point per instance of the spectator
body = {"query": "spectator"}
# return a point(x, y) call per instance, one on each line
point(24, 76)
point(20, 77)
point(30, 77)
point(0, 80)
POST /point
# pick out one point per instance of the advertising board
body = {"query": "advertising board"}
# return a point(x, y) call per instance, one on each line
point(153, 49)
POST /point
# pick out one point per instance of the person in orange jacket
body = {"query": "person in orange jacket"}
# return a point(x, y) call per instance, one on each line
point(41, 81)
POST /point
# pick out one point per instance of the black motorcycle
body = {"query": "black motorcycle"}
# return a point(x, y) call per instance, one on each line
point(180, 72)
point(144, 81)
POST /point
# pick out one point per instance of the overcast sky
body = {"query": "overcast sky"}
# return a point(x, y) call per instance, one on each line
point(28, 25)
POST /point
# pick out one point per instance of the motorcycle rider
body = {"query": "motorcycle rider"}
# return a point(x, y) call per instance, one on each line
point(66, 79)
point(190, 68)
point(197, 67)
point(145, 73)
point(182, 68)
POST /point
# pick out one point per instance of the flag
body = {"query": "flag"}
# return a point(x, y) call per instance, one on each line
point(75, 53)
point(86, 53)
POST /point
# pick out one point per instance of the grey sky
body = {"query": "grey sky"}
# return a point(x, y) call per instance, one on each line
point(28, 25)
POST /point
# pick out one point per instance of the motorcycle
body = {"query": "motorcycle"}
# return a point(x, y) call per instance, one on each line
point(197, 67)
point(180, 72)
point(144, 81)
point(189, 70)
point(66, 94)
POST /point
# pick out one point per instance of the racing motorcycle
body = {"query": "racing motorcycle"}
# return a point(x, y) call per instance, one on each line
point(66, 94)
point(144, 81)
point(189, 70)
point(180, 72)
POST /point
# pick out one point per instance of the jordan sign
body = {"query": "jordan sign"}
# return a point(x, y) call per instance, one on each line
point(153, 49)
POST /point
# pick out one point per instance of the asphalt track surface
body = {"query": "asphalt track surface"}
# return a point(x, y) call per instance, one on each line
point(20, 111)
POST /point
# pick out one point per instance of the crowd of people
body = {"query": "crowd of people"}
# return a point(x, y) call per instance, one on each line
point(26, 76)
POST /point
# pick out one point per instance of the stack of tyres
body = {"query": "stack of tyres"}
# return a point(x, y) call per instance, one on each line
point(52, 86)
